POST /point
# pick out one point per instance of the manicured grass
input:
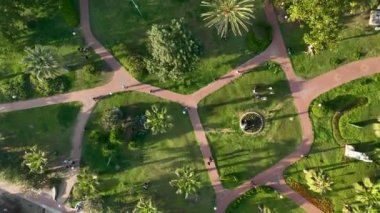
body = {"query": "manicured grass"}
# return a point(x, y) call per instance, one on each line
point(328, 153)
point(239, 156)
point(154, 160)
point(117, 22)
point(357, 40)
point(255, 198)
point(50, 128)
point(50, 29)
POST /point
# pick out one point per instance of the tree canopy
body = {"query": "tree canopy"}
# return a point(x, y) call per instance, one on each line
point(368, 194)
point(172, 49)
point(35, 160)
point(318, 181)
point(42, 62)
point(187, 181)
point(228, 14)
point(157, 120)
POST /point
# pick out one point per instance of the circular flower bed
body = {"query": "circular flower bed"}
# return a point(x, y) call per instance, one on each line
point(252, 123)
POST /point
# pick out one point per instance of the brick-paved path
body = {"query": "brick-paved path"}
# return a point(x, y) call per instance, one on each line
point(303, 93)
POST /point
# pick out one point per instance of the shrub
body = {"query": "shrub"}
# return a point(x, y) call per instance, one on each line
point(336, 61)
point(50, 86)
point(18, 87)
point(257, 45)
point(319, 111)
point(69, 11)
point(90, 68)
point(134, 63)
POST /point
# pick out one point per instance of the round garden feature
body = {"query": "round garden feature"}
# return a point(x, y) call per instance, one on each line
point(252, 123)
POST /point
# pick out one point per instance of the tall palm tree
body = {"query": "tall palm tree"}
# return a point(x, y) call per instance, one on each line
point(225, 14)
point(42, 62)
point(145, 206)
point(86, 185)
point(318, 181)
point(187, 181)
point(157, 120)
point(35, 160)
point(368, 193)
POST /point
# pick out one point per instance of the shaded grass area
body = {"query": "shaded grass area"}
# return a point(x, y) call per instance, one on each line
point(154, 160)
point(240, 156)
point(254, 199)
point(50, 128)
point(117, 22)
point(51, 29)
point(328, 153)
point(356, 41)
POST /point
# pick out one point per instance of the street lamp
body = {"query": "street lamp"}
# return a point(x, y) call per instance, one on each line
point(137, 7)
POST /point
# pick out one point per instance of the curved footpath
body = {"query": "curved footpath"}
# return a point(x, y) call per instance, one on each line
point(303, 93)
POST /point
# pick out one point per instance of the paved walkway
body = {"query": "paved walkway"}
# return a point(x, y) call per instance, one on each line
point(303, 93)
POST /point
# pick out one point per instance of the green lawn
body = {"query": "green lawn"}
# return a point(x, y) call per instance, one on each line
point(50, 29)
point(240, 156)
point(50, 128)
point(154, 160)
point(357, 40)
point(328, 153)
point(251, 201)
point(117, 22)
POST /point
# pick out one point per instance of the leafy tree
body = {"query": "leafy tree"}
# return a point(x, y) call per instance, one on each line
point(145, 206)
point(226, 14)
point(172, 49)
point(157, 120)
point(321, 17)
point(42, 62)
point(187, 181)
point(111, 118)
point(86, 186)
point(35, 160)
point(318, 181)
point(368, 194)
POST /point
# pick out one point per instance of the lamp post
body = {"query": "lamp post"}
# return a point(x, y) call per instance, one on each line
point(137, 7)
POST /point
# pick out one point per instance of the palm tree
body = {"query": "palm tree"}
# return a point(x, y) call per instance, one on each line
point(368, 193)
point(264, 209)
point(86, 185)
point(187, 181)
point(157, 120)
point(35, 160)
point(318, 181)
point(225, 14)
point(145, 206)
point(42, 62)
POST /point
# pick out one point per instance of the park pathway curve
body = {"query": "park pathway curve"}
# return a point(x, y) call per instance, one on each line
point(303, 92)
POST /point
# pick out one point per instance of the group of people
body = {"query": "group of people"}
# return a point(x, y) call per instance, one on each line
point(69, 163)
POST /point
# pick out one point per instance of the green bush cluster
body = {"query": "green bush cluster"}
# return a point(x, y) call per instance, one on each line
point(50, 86)
point(70, 12)
point(15, 88)
point(256, 44)
point(134, 63)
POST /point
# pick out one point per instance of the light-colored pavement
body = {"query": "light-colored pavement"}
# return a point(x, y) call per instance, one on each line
point(303, 93)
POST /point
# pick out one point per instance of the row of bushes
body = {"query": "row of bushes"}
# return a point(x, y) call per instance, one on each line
point(248, 195)
point(24, 86)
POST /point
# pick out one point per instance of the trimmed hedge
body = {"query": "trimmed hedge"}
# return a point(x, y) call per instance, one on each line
point(322, 203)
